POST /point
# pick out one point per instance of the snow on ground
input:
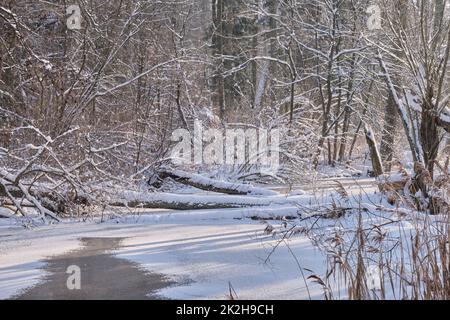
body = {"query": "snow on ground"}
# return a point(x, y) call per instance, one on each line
point(207, 251)
point(21, 252)
point(210, 255)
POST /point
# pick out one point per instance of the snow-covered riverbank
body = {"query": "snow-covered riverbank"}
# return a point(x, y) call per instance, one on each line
point(207, 251)
point(286, 250)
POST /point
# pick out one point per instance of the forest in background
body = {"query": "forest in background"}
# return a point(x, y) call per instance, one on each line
point(85, 110)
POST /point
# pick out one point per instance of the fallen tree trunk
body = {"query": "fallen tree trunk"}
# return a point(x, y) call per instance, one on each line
point(160, 200)
point(207, 184)
point(49, 200)
point(194, 202)
point(41, 205)
point(173, 205)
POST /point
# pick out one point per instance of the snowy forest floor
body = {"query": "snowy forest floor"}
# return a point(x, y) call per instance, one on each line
point(316, 244)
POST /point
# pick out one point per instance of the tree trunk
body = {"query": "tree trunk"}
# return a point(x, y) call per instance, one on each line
point(390, 126)
point(377, 163)
point(429, 138)
point(217, 44)
point(391, 113)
